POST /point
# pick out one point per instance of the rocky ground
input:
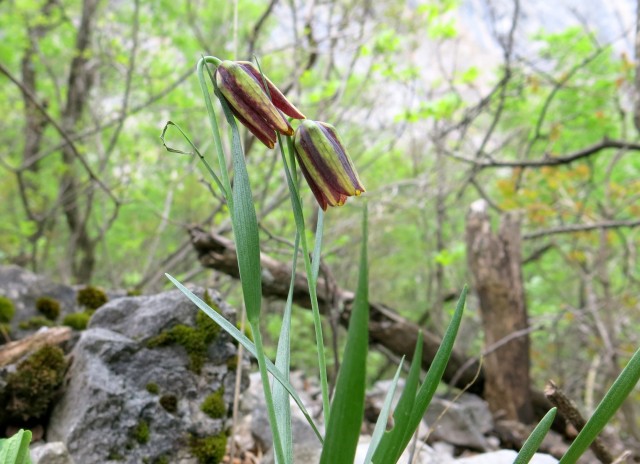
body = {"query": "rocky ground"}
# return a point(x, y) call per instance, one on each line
point(111, 378)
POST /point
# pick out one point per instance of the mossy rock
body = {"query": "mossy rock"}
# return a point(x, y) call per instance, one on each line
point(35, 323)
point(209, 450)
point(232, 363)
point(91, 297)
point(153, 388)
point(48, 307)
point(194, 340)
point(141, 432)
point(34, 385)
point(214, 405)
point(169, 403)
point(7, 310)
point(77, 321)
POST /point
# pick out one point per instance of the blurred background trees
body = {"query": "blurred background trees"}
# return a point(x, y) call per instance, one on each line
point(440, 102)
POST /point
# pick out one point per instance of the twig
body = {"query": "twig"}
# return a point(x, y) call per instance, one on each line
point(570, 412)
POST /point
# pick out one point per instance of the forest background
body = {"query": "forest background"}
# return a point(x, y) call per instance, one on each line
point(531, 108)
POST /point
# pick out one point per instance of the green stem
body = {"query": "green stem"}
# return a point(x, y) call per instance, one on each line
point(224, 172)
point(266, 386)
point(311, 281)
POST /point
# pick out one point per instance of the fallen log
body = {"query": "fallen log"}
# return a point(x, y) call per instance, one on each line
point(386, 327)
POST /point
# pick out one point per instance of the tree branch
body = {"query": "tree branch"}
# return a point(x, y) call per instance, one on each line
point(572, 228)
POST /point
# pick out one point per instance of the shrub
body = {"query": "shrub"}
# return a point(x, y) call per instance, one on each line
point(7, 310)
point(91, 297)
point(48, 307)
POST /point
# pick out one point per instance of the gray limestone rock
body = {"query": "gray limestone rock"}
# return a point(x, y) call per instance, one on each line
point(24, 288)
point(51, 453)
point(107, 413)
point(462, 422)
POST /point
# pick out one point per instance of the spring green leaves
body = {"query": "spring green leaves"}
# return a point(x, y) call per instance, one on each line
point(15, 450)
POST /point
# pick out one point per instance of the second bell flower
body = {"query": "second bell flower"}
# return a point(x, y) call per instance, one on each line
point(241, 85)
point(325, 164)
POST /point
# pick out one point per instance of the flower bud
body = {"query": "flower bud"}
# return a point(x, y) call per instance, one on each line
point(241, 85)
point(325, 164)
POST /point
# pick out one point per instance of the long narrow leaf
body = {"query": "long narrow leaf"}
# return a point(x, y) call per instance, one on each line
point(614, 398)
point(247, 238)
point(249, 346)
point(383, 418)
point(391, 443)
point(283, 362)
point(347, 408)
point(535, 439)
point(15, 450)
point(434, 375)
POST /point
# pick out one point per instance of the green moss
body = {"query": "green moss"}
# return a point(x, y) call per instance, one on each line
point(35, 323)
point(91, 297)
point(153, 388)
point(134, 292)
point(232, 363)
point(141, 432)
point(169, 403)
point(209, 450)
point(34, 385)
point(214, 405)
point(193, 339)
point(48, 307)
point(161, 460)
point(7, 310)
point(77, 321)
point(115, 456)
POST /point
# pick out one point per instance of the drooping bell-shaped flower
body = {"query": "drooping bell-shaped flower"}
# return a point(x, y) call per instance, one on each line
point(325, 164)
point(242, 86)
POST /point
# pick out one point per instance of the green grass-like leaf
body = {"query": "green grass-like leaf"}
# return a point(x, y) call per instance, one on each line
point(614, 398)
point(283, 363)
point(530, 447)
point(249, 346)
point(15, 450)
point(391, 443)
point(381, 423)
point(347, 408)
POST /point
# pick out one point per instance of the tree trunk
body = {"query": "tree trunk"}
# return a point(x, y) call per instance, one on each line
point(495, 264)
point(81, 246)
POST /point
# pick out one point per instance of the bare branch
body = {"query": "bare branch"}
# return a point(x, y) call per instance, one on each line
point(572, 228)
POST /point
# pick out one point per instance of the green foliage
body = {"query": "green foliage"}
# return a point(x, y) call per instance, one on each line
point(153, 388)
point(35, 323)
point(141, 432)
point(208, 450)
point(48, 307)
point(91, 297)
point(214, 405)
point(7, 310)
point(34, 385)
point(169, 403)
point(77, 321)
point(15, 450)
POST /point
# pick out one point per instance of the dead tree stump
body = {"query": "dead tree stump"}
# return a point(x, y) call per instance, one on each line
point(496, 269)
